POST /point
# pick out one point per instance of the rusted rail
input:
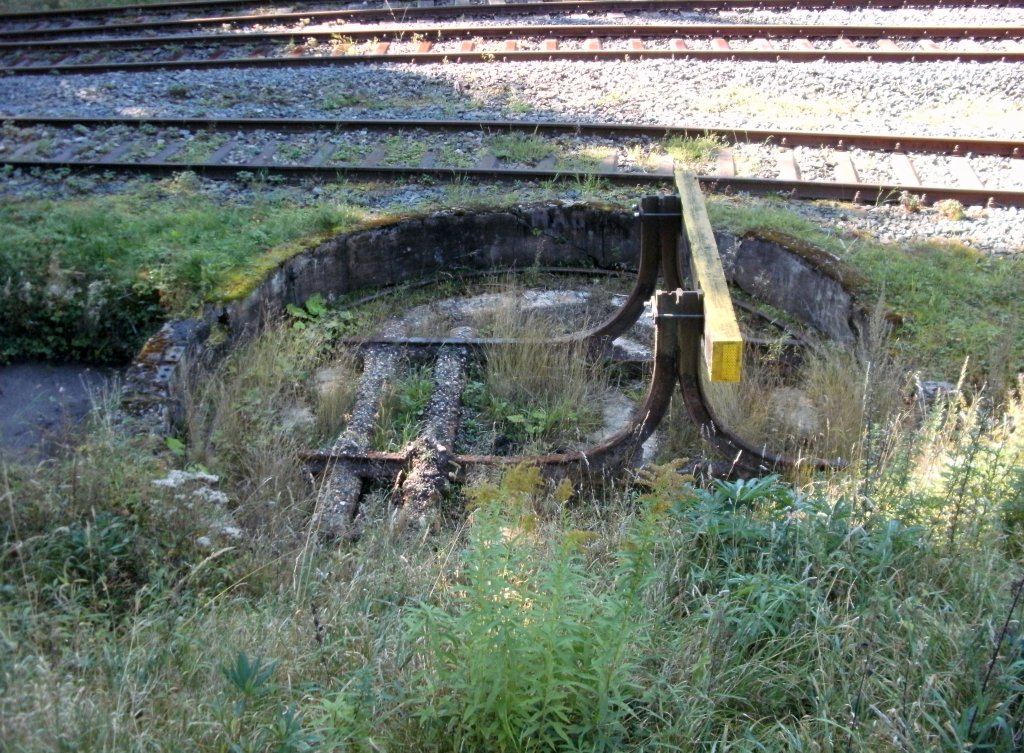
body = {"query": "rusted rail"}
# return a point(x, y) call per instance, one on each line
point(592, 51)
point(886, 142)
point(434, 34)
point(411, 9)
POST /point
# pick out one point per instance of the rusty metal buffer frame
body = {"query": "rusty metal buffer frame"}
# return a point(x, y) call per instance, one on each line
point(697, 339)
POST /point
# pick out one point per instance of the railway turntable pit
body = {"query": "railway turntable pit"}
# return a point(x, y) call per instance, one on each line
point(647, 293)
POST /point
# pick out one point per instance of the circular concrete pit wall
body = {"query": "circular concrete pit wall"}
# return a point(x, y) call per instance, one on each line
point(804, 282)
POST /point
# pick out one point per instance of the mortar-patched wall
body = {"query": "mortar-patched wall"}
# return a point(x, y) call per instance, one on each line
point(423, 247)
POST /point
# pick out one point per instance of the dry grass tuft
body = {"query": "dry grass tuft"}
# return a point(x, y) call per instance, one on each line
point(823, 406)
point(552, 390)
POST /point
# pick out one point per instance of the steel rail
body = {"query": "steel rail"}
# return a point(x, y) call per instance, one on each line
point(815, 139)
point(410, 10)
point(340, 170)
point(862, 193)
point(426, 58)
point(557, 31)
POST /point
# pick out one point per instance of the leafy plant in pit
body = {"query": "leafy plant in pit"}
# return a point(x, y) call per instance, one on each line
point(316, 314)
point(519, 423)
point(530, 655)
point(314, 309)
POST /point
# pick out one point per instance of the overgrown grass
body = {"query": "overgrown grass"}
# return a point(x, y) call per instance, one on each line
point(89, 278)
point(874, 610)
point(693, 150)
point(870, 612)
point(520, 148)
point(863, 610)
point(285, 392)
point(822, 405)
point(953, 305)
point(534, 395)
point(402, 409)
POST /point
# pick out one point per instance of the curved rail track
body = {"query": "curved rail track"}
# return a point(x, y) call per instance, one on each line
point(175, 36)
point(379, 148)
point(689, 349)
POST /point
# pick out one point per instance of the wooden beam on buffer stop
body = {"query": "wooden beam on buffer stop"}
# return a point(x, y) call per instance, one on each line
point(722, 341)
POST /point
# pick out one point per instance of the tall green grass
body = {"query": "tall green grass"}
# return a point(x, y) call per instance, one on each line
point(877, 609)
point(948, 303)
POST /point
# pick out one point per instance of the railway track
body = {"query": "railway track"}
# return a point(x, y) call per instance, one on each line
point(203, 13)
point(868, 168)
point(344, 45)
point(696, 341)
point(433, 34)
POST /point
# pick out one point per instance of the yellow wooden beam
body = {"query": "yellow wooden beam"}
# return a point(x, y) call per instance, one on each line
point(723, 343)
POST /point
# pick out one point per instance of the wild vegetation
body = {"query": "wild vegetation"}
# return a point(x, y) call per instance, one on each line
point(89, 278)
point(947, 303)
point(876, 610)
point(170, 595)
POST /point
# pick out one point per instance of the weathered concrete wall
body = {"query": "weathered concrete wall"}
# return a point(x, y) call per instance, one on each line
point(791, 282)
point(408, 250)
point(422, 247)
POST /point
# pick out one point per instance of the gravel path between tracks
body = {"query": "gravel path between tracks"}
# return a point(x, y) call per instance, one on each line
point(981, 100)
point(942, 99)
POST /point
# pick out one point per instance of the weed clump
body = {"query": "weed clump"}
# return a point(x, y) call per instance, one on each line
point(533, 395)
point(526, 656)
